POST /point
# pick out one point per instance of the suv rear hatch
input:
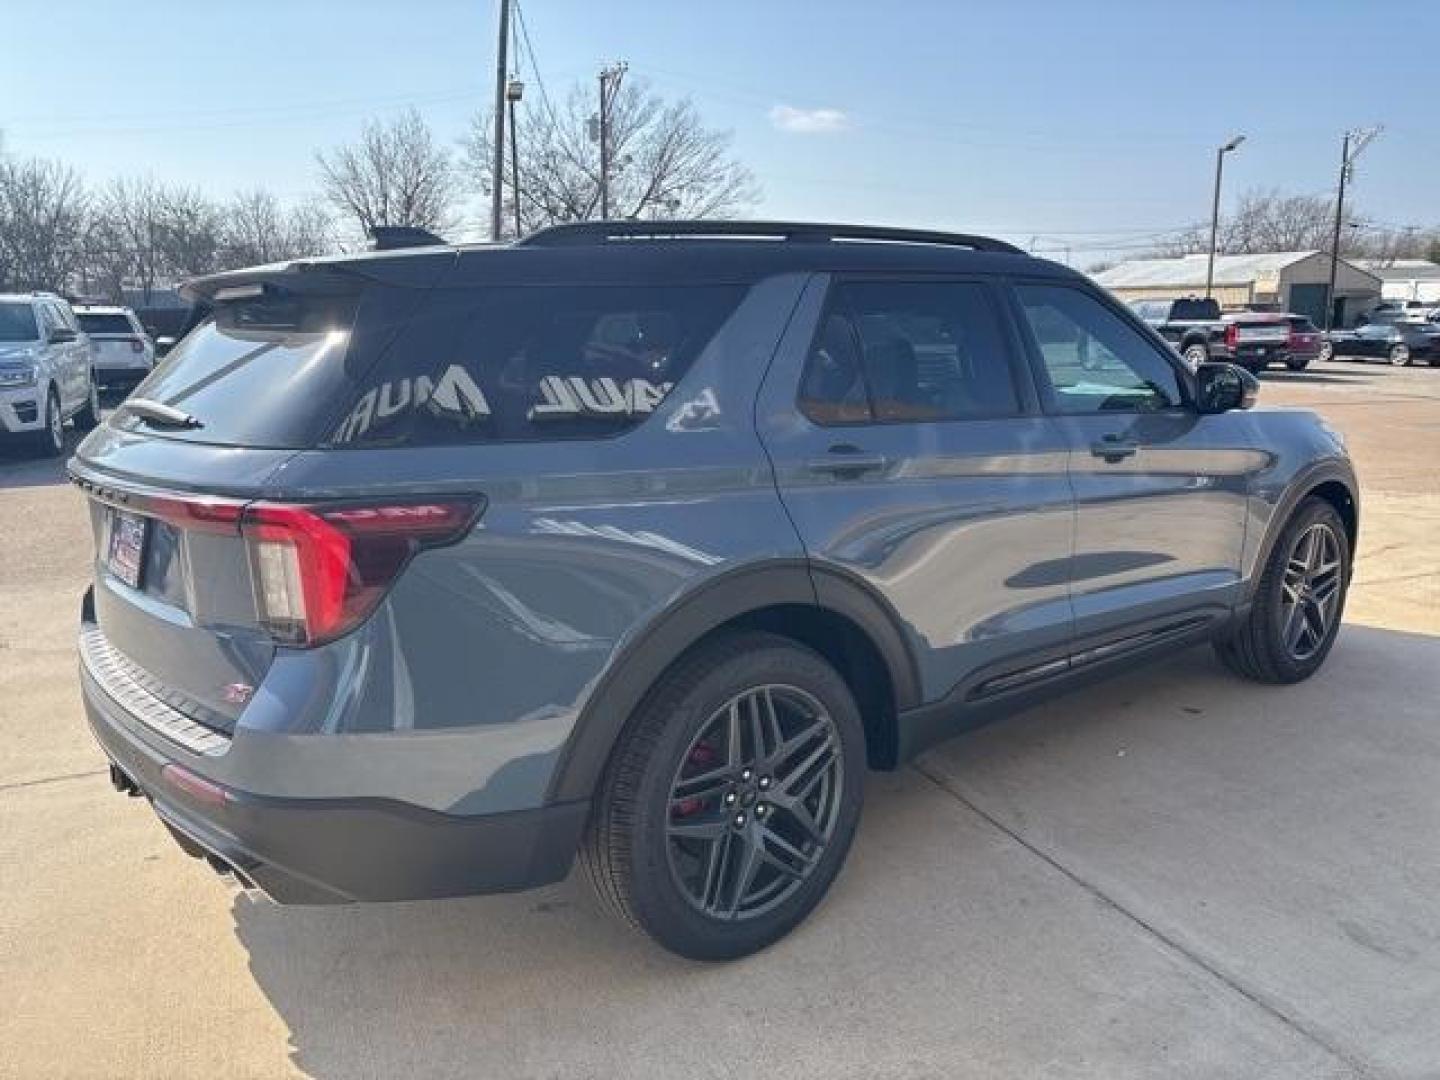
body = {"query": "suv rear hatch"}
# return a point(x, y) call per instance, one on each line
point(200, 575)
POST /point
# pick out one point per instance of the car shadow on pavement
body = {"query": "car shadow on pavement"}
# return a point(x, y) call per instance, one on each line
point(20, 468)
point(946, 941)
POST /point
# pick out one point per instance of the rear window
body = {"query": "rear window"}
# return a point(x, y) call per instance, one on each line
point(17, 322)
point(528, 363)
point(105, 324)
point(1302, 325)
point(397, 367)
point(1194, 310)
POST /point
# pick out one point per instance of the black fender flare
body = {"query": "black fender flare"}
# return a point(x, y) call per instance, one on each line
point(1300, 486)
point(721, 599)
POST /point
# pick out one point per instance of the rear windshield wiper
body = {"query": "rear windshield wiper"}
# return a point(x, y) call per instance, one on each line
point(160, 414)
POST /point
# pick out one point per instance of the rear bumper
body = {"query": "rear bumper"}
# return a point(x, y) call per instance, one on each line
point(335, 850)
point(119, 376)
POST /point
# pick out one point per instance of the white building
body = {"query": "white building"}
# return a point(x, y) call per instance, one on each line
point(1406, 279)
point(1285, 280)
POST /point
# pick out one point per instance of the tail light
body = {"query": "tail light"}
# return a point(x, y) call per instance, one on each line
point(319, 571)
point(136, 345)
point(1232, 336)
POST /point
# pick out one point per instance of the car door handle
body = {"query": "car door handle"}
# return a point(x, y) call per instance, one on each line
point(1114, 448)
point(848, 462)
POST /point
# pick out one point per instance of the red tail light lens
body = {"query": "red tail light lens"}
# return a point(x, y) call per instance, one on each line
point(1232, 336)
point(319, 571)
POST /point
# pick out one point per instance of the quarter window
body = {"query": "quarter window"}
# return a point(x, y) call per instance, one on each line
point(1095, 361)
point(907, 352)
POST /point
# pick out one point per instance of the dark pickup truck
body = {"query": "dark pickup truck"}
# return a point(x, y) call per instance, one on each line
point(1198, 331)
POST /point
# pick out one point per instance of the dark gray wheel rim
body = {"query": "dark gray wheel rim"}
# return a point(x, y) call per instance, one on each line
point(755, 802)
point(55, 423)
point(1310, 591)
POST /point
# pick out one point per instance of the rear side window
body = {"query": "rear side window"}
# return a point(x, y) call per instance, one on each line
point(897, 352)
point(105, 323)
point(527, 363)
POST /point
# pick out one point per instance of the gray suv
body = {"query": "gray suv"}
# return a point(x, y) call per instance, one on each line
point(421, 571)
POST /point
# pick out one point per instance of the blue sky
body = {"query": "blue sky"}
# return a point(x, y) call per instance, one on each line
point(1083, 123)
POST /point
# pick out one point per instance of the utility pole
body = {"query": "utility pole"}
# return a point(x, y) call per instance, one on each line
point(1215, 209)
point(514, 91)
point(610, 79)
point(1360, 139)
point(497, 169)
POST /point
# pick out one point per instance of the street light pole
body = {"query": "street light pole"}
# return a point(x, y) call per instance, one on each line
point(610, 79)
point(1215, 209)
point(514, 91)
point(497, 169)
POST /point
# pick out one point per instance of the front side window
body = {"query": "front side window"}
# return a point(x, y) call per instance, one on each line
point(908, 352)
point(1095, 361)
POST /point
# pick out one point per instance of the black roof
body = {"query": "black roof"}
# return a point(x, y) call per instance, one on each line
point(735, 251)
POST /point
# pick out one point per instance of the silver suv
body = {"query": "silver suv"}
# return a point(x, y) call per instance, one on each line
point(420, 572)
point(46, 375)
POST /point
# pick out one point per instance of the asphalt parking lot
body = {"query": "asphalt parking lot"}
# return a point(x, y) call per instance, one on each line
point(1173, 874)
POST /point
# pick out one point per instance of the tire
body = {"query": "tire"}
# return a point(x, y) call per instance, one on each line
point(49, 441)
point(1327, 351)
point(1262, 647)
point(1400, 355)
point(682, 889)
point(1194, 355)
point(1297, 363)
point(88, 418)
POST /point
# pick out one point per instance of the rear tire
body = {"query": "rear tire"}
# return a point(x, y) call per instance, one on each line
point(1276, 643)
point(1195, 355)
point(1297, 363)
point(700, 780)
point(1327, 351)
point(89, 415)
point(1400, 355)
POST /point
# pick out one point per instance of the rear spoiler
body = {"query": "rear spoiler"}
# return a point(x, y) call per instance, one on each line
point(413, 268)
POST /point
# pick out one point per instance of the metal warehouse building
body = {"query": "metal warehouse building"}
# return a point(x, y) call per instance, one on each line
point(1407, 279)
point(1290, 280)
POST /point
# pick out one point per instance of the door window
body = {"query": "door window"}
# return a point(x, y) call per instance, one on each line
point(1094, 360)
point(905, 352)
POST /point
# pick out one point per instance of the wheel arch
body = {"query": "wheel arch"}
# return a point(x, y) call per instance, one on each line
point(1332, 482)
point(825, 610)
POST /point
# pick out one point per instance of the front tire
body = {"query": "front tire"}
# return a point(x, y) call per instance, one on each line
point(1327, 351)
point(731, 799)
point(1400, 355)
point(49, 441)
point(1298, 603)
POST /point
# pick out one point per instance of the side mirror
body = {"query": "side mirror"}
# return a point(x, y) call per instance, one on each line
point(1222, 387)
point(60, 335)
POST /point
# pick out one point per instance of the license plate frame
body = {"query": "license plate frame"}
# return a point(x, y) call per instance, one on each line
point(125, 547)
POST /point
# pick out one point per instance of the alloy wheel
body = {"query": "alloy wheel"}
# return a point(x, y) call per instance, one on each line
point(1400, 355)
point(755, 802)
point(1310, 591)
point(55, 423)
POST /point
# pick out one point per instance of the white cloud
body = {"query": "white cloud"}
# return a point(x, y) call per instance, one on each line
point(808, 121)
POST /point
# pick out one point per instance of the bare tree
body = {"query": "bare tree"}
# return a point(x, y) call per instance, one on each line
point(395, 175)
point(258, 229)
point(665, 162)
point(43, 212)
point(190, 232)
point(127, 245)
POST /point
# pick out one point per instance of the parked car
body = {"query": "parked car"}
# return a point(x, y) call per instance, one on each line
point(1200, 332)
point(121, 351)
point(1304, 343)
point(1192, 325)
point(419, 572)
point(45, 372)
point(1401, 343)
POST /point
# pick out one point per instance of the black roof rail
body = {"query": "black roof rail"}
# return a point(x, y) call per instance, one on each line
point(395, 237)
point(600, 232)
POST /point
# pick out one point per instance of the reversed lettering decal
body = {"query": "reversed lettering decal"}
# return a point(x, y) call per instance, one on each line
point(564, 397)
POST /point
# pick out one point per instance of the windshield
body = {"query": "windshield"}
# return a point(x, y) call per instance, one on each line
point(17, 322)
point(112, 323)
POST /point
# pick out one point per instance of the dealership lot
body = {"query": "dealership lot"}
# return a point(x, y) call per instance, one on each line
point(1174, 873)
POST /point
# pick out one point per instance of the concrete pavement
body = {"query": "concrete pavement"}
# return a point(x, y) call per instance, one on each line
point(1172, 874)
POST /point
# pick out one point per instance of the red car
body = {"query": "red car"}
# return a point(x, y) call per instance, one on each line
point(1304, 344)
